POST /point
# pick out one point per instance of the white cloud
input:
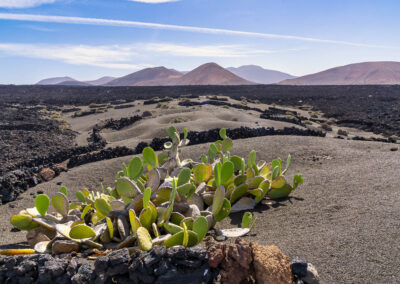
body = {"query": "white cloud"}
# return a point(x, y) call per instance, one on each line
point(125, 56)
point(23, 3)
point(120, 23)
point(154, 1)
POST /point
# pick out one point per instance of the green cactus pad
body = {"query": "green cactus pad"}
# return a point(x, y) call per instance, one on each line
point(185, 235)
point(183, 176)
point(219, 196)
point(23, 222)
point(110, 227)
point(174, 240)
point(81, 232)
point(126, 187)
point(146, 197)
point(63, 190)
point(42, 203)
point(186, 190)
point(145, 218)
point(224, 211)
point(238, 192)
point(80, 196)
point(102, 206)
point(172, 228)
point(297, 179)
point(144, 239)
point(171, 132)
point(202, 173)
point(60, 203)
point(247, 219)
point(188, 221)
point(135, 168)
point(200, 227)
point(255, 182)
point(176, 218)
point(134, 221)
point(150, 157)
point(227, 144)
point(282, 192)
point(226, 171)
point(278, 182)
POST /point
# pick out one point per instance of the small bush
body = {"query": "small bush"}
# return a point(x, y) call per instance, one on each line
point(326, 127)
point(342, 132)
point(147, 113)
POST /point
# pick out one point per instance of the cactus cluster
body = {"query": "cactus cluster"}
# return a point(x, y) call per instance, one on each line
point(159, 199)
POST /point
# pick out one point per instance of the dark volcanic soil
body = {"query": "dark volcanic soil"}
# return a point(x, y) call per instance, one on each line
point(369, 107)
point(29, 133)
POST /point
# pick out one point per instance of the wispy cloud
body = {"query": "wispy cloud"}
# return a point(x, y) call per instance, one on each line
point(23, 3)
point(125, 56)
point(154, 1)
point(102, 56)
point(37, 28)
point(136, 24)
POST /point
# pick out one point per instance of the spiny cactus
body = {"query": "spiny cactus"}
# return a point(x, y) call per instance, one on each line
point(159, 199)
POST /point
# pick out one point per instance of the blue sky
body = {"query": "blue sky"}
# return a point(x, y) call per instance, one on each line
point(48, 38)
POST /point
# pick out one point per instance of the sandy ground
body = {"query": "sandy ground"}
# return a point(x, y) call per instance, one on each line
point(195, 118)
point(345, 219)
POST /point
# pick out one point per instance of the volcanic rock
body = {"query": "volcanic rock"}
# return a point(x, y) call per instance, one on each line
point(47, 174)
point(271, 265)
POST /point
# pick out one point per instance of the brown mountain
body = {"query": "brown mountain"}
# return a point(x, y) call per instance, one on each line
point(210, 74)
point(365, 73)
point(100, 81)
point(55, 80)
point(145, 77)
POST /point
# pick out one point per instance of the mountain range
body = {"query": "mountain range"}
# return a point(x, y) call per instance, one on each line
point(206, 74)
point(365, 73)
point(380, 72)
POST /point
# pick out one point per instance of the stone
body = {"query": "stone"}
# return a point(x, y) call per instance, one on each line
point(62, 167)
point(232, 260)
point(270, 264)
point(118, 257)
point(25, 267)
point(312, 276)
point(187, 263)
point(177, 252)
point(64, 246)
point(34, 237)
point(299, 266)
point(215, 254)
point(162, 268)
point(47, 174)
point(101, 264)
point(84, 274)
point(56, 267)
point(197, 253)
point(174, 276)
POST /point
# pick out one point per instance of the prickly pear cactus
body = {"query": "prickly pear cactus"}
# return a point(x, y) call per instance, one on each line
point(161, 199)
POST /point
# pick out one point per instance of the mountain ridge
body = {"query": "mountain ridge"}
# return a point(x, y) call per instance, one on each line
point(363, 73)
point(260, 75)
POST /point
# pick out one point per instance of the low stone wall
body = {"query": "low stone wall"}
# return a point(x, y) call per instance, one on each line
point(240, 262)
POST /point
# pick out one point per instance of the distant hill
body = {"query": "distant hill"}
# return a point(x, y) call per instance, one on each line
point(259, 75)
point(148, 76)
point(55, 80)
point(210, 74)
point(101, 81)
point(365, 73)
point(73, 83)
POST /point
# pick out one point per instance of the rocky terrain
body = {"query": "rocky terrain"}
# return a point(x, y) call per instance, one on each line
point(97, 134)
